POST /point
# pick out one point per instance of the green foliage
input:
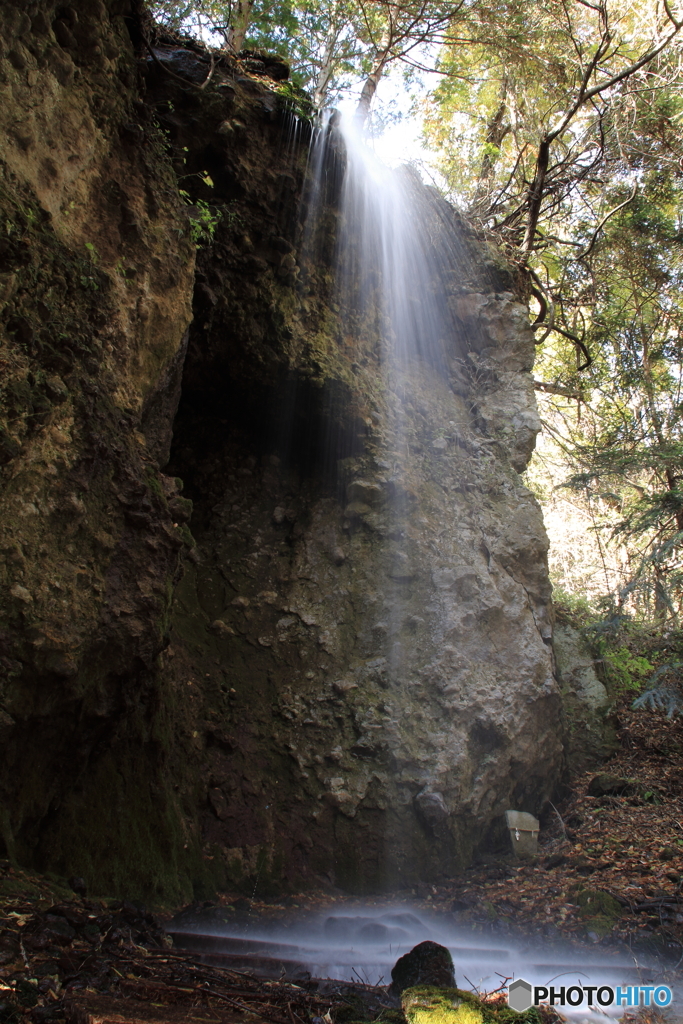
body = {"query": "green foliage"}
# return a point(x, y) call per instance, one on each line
point(89, 280)
point(631, 655)
point(205, 219)
point(666, 693)
point(295, 100)
point(120, 268)
point(605, 254)
point(329, 44)
point(623, 670)
point(621, 435)
point(305, 32)
point(573, 609)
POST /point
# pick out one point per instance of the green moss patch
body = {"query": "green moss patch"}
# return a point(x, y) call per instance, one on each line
point(426, 1005)
point(599, 911)
point(440, 1008)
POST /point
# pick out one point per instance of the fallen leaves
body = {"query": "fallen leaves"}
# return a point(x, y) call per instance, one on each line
point(626, 842)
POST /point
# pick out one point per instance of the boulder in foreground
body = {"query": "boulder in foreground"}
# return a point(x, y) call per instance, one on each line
point(428, 963)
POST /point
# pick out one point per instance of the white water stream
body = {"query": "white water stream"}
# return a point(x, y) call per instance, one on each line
point(362, 944)
point(398, 255)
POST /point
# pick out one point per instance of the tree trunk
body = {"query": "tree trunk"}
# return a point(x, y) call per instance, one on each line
point(536, 194)
point(656, 420)
point(496, 132)
point(240, 24)
point(372, 81)
point(369, 89)
point(324, 77)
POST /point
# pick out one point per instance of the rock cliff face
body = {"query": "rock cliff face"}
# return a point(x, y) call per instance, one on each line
point(344, 670)
point(589, 732)
point(96, 265)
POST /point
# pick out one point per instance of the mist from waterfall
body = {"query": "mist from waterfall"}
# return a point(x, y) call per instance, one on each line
point(387, 256)
point(352, 941)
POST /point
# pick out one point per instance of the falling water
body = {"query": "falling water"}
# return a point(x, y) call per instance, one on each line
point(390, 264)
point(398, 256)
point(397, 262)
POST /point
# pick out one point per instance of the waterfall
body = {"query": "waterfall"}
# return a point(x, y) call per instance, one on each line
point(373, 564)
point(396, 262)
point(390, 261)
point(397, 257)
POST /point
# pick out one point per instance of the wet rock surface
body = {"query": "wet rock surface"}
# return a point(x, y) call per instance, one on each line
point(96, 280)
point(96, 272)
point(370, 619)
point(383, 680)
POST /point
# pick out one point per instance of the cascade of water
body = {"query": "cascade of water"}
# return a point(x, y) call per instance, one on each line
point(397, 252)
point(396, 262)
point(390, 262)
point(383, 439)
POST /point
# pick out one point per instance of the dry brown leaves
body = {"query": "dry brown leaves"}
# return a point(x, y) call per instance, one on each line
point(629, 845)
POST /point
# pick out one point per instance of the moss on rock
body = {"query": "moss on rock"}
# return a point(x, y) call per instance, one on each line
point(598, 910)
point(429, 1005)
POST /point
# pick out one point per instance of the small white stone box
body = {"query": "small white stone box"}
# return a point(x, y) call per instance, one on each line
point(523, 833)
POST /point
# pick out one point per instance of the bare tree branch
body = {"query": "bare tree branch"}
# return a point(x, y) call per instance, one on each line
point(604, 220)
point(557, 389)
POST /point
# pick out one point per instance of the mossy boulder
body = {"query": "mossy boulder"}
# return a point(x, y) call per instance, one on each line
point(599, 911)
point(428, 963)
point(425, 1004)
point(610, 785)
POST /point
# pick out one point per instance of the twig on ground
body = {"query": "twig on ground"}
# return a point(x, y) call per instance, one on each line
point(559, 818)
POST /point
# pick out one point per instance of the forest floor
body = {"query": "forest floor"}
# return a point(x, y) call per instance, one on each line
point(609, 875)
point(618, 832)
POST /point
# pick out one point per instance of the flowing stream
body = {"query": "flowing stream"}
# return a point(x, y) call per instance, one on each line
point(361, 943)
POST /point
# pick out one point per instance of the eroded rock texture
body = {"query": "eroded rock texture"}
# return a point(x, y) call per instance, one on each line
point(96, 270)
point(358, 681)
point(370, 605)
point(589, 732)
